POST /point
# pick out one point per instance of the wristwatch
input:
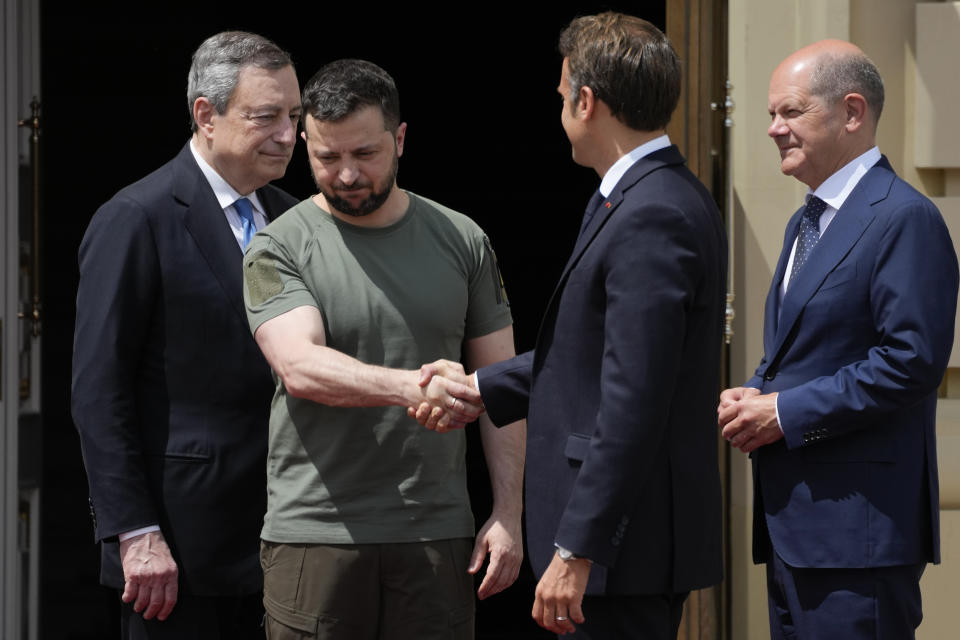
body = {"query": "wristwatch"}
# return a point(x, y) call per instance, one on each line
point(565, 554)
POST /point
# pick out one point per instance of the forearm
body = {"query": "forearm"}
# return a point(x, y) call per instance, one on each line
point(329, 377)
point(505, 451)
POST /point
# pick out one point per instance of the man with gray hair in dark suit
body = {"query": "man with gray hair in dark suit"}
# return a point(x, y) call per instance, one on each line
point(170, 394)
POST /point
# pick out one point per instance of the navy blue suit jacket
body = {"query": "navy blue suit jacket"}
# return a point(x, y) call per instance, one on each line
point(620, 390)
point(171, 395)
point(856, 351)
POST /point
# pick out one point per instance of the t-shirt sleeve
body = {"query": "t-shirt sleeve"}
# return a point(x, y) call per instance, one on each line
point(272, 282)
point(488, 307)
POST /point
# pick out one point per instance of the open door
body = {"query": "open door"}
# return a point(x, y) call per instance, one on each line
point(699, 127)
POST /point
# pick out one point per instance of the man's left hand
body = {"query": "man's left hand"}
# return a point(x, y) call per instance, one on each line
point(750, 422)
point(502, 539)
point(559, 595)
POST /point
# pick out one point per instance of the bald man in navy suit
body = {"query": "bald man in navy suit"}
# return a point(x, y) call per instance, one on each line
point(839, 417)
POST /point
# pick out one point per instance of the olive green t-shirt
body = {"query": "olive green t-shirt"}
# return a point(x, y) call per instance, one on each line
point(396, 296)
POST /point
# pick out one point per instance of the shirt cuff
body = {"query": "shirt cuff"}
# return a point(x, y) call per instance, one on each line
point(476, 382)
point(776, 407)
point(138, 532)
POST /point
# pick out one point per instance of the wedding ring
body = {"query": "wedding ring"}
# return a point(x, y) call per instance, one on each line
point(561, 618)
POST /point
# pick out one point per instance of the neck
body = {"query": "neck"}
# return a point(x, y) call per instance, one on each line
point(204, 148)
point(617, 140)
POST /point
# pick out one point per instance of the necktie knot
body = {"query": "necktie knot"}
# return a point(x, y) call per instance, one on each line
point(814, 209)
point(248, 227)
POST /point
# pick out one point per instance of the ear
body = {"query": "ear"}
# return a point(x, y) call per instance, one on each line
point(203, 113)
point(399, 137)
point(855, 111)
point(586, 103)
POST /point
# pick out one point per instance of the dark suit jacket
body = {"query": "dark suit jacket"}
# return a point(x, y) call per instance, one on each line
point(857, 350)
point(620, 390)
point(171, 395)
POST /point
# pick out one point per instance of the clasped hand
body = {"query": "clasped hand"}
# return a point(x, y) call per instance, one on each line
point(747, 418)
point(450, 399)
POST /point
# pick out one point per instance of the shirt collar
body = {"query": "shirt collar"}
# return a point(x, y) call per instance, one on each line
point(226, 195)
point(836, 188)
point(621, 166)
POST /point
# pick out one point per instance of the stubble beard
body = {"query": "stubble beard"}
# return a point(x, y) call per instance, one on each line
point(371, 203)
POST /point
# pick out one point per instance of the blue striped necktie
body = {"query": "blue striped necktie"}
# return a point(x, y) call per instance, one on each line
point(245, 211)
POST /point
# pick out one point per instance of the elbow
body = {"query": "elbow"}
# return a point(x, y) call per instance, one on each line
point(295, 387)
point(293, 378)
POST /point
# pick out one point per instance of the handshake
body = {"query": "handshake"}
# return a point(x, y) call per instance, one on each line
point(448, 397)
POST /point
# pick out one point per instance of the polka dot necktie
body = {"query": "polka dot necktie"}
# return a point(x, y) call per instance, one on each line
point(245, 211)
point(809, 234)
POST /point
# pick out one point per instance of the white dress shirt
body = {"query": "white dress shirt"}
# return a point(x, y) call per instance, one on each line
point(227, 195)
point(834, 191)
point(621, 166)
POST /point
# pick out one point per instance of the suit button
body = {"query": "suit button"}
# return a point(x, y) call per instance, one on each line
point(615, 541)
point(769, 375)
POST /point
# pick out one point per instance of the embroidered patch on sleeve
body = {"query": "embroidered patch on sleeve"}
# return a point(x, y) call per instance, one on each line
point(262, 278)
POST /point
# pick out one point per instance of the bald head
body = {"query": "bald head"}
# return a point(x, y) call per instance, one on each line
point(824, 103)
point(834, 68)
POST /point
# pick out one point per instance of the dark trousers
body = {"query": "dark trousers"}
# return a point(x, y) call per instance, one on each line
point(199, 618)
point(880, 603)
point(650, 617)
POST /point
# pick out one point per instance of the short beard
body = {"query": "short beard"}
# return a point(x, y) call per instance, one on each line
point(373, 202)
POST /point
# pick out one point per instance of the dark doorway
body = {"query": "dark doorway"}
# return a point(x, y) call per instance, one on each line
point(477, 85)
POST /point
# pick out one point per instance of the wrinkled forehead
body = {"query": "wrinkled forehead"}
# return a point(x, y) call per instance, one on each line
point(791, 79)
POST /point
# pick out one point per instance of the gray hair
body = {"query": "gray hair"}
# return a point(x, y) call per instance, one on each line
point(834, 76)
point(217, 63)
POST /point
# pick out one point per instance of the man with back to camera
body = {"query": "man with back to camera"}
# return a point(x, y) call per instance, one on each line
point(368, 527)
point(840, 415)
point(170, 393)
point(622, 485)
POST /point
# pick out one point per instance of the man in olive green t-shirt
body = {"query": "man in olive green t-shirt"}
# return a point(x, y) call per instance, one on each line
point(368, 525)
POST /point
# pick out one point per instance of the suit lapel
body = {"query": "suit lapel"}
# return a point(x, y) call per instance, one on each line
point(838, 240)
point(203, 217)
point(664, 157)
point(771, 317)
point(608, 207)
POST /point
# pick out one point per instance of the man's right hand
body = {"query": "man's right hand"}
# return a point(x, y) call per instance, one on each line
point(150, 575)
point(459, 402)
